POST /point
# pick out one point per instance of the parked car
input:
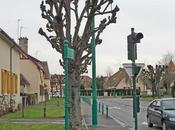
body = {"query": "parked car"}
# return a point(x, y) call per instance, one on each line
point(162, 113)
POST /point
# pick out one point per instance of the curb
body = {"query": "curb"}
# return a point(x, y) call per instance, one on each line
point(84, 122)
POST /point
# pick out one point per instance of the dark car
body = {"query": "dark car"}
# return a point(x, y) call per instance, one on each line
point(162, 113)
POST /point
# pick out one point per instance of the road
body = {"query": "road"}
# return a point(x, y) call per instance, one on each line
point(121, 111)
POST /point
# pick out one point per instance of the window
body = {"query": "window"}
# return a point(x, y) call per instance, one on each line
point(15, 84)
point(158, 104)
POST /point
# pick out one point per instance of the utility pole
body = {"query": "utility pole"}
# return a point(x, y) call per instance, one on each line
point(132, 39)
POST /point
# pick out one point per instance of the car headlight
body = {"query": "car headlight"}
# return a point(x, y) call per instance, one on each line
point(172, 119)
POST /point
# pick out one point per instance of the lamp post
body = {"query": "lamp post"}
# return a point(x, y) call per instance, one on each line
point(94, 88)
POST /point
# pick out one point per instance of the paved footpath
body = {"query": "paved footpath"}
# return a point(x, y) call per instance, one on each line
point(103, 122)
point(34, 121)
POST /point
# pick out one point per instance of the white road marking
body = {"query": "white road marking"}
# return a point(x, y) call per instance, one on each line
point(118, 108)
point(118, 121)
point(144, 123)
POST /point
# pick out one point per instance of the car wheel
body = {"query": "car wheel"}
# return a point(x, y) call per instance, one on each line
point(149, 122)
point(164, 126)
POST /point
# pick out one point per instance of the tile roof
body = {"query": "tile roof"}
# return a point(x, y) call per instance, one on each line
point(11, 42)
point(115, 79)
point(46, 69)
point(56, 78)
point(86, 81)
point(59, 79)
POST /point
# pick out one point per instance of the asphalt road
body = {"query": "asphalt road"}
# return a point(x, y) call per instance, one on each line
point(121, 111)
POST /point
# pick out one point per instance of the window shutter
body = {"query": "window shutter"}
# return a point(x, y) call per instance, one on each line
point(3, 81)
point(16, 84)
point(8, 81)
point(13, 78)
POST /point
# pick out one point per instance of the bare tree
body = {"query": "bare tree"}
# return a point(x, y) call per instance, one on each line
point(109, 72)
point(154, 76)
point(58, 15)
point(167, 58)
point(60, 79)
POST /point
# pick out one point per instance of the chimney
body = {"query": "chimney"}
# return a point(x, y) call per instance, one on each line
point(23, 43)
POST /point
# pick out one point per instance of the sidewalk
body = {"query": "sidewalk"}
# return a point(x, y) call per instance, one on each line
point(34, 121)
point(103, 122)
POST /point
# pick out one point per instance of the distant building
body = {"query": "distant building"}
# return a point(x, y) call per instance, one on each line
point(57, 85)
point(36, 72)
point(121, 81)
point(86, 82)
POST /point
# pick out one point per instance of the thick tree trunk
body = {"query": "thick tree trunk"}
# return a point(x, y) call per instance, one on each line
point(154, 91)
point(74, 104)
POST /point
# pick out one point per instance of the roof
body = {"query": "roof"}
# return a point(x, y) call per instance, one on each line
point(56, 78)
point(42, 65)
point(86, 81)
point(59, 79)
point(46, 69)
point(115, 79)
point(10, 41)
point(171, 66)
point(37, 62)
point(23, 80)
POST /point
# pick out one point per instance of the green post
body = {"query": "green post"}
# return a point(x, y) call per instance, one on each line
point(94, 89)
point(102, 111)
point(107, 111)
point(99, 107)
point(134, 94)
point(66, 84)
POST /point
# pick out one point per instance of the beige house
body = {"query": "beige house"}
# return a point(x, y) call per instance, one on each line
point(121, 81)
point(36, 72)
point(86, 82)
point(10, 71)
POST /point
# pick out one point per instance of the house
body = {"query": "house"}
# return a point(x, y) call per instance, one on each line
point(36, 73)
point(10, 73)
point(57, 85)
point(24, 88)
point(120, 81)
point(86, 82)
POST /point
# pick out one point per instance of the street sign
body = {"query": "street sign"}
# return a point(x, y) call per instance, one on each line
point(68, 52)
point(71, 53)
point(128, 69)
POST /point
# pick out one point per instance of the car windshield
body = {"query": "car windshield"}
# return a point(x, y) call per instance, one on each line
point(168, 104)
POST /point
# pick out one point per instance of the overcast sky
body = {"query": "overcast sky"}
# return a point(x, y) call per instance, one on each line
point(154, 18)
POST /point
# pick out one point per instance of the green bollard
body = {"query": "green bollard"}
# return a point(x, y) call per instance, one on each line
point(102, 109)
point(138, 103)
point(99, 107)
point(106, 111)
